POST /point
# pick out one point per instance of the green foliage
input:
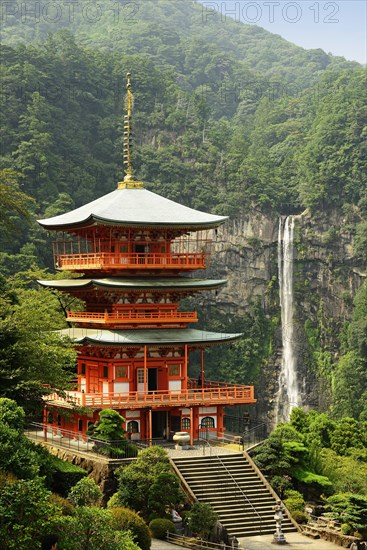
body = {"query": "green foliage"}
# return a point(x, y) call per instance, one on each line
point(349, 509)
point(322, 483)
point(360, 242)
point(243, 361)
point(109, 427)
point(202, 518)
point(26, 514)
point(64, 475)
point(299, 516)
point(294, 500)
point(136, 479)
point(164, 493)
point(92, 528)
point(15, 204)
point(345, 436)
point(347, 474)
point(29, 359)
point(160, 526)
point(127, 520)
point(12, 415)
point(85, 493)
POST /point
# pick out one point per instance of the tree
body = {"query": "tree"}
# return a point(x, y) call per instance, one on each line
point(202, 518)
point(136, 479)
point(26, 514)
point(346, 436)
point(127, 520)
point(33, 353)
point(92, 528)
point(18, 455)
point(350, 509)
point(109, 427)
point(85, 493)
point(13, 202)
point(164, 493)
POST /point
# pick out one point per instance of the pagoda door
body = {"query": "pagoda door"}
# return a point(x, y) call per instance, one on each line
point(152, 380)
point(93, 379)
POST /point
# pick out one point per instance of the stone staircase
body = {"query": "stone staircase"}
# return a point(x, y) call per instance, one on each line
point(237, 491)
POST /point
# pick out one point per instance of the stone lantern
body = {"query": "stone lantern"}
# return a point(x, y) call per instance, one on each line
point(278, 516)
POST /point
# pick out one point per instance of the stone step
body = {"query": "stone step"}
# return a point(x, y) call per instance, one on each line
point(233, 493)
point(236, 492)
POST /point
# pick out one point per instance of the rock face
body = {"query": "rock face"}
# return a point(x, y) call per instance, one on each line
point(99, 469)
point(326, 277)
point(246, 255)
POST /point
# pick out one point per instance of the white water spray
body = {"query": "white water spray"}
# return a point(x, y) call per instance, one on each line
point(288, 395)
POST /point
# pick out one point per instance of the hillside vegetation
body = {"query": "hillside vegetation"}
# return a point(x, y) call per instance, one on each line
point(229, 118)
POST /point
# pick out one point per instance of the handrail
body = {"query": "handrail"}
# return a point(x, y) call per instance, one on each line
point(131, 260)
point(236, 485)
point(198, 544)
point(128, 317)
point(239, 394)
point(243, 493)
point(269, 487)
point(77, 441)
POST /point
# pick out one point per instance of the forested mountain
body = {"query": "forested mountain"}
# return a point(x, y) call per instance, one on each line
point(228, 118)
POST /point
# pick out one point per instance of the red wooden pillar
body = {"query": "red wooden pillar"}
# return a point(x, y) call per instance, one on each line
point(202, 375)
point(150, 427)
point(184, 381)
point(145, 371)
point(191, 427)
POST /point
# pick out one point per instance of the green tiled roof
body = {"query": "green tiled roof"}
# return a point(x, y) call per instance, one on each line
point(150, 283)
point(134, 207)
point(148, 337)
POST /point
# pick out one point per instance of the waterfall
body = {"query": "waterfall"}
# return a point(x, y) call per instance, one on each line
point(288, 395)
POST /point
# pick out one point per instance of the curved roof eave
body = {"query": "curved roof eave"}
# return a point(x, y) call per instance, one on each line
point(153, 337)
point(133, 207)
point(184, 283)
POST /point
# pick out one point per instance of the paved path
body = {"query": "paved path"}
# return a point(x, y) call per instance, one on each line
point(295, 541)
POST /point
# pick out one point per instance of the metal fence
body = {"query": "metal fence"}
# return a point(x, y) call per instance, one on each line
point(201, 544)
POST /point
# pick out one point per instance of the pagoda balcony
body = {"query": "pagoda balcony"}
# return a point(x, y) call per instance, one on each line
point(212, 393)
point(135, 318)
point(135, 261)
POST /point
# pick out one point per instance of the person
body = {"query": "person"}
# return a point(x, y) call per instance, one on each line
point(200, 381)
point(49, 542)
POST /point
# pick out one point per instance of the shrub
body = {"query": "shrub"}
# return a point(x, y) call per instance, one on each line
point(160, 526)
point(63, 504)
point(128, 520)
point(299, 516)
point(64, 476)
point(294, 500)
point(136, 479)
point(113, 502)
point(202, 518)
point(346, 529)
point(85, 493)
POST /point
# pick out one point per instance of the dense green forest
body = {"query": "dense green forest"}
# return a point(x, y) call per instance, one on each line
point(231, 119)
point(228, 118)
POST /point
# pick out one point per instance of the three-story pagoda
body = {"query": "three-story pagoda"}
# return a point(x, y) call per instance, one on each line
point(136, 252)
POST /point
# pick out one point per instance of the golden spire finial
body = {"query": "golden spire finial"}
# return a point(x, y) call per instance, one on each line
point(129, 179)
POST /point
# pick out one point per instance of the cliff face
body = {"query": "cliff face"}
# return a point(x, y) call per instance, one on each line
point(327, 275)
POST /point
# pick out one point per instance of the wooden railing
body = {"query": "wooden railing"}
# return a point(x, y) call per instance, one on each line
point(109, 260)
point(225, 394)
point(133, 317)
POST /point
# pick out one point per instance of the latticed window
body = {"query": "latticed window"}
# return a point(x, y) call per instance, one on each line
point(185, 424)
point(207, 422)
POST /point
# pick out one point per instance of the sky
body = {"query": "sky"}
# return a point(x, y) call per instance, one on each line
point(338, 27)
